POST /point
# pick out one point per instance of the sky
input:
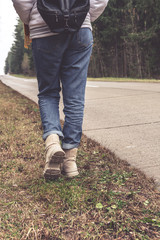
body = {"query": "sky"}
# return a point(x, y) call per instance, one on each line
point(8, 20)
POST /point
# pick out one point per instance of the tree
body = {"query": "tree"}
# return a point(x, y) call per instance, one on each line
point(19, 59)
point(127, 40)
point(17, 50)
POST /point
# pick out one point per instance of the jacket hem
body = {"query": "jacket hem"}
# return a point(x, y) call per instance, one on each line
point(35, 34)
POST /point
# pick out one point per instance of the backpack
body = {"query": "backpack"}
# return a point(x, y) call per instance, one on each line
point(63, 15)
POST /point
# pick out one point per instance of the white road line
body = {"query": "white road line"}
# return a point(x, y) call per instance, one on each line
point(29, 80)
point(92, 86)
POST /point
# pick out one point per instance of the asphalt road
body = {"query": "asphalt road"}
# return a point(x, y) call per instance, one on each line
point(124, 117)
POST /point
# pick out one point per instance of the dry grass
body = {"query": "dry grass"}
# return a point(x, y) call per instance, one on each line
point(109, 199)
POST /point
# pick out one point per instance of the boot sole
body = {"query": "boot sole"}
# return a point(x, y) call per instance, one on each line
point(54, 171)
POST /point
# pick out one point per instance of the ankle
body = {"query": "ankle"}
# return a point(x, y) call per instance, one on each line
point(52, 139)
point(71, 154)
point(69, 164)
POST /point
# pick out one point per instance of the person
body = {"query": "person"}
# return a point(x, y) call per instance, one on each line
point(61, 61)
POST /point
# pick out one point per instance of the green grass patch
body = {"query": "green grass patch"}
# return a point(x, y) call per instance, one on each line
point(112, 79)
point(108, 200)
point(104, 79)
point(23, 76)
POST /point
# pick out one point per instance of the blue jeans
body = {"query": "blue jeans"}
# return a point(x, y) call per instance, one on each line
point(62, 60)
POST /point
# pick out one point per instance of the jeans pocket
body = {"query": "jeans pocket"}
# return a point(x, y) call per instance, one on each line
point(43, 46)
point(47, 44)
point(85, 37)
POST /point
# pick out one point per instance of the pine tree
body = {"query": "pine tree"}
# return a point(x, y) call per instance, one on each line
point(127, 40)
point(19, 59)
point(17, 50)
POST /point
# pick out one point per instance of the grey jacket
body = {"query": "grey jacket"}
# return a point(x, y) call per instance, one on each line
point(28, 13)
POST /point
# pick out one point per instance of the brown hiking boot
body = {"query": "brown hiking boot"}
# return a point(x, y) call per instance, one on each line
point(54, 157)
point(69, 166)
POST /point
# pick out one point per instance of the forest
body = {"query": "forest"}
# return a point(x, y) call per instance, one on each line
point(126, 43)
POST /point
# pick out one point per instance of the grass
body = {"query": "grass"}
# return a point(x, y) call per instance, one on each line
point(114, 79)
point(23, 76)
point(104, 79)
point(108, 200)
